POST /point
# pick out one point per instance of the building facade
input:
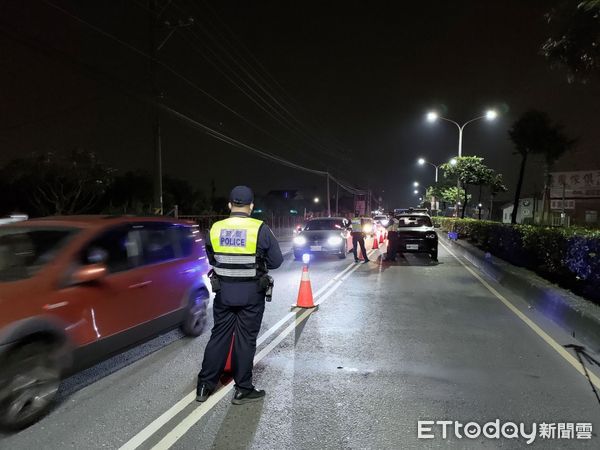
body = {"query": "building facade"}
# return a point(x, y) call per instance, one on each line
point(576, 194)
point(528, 207)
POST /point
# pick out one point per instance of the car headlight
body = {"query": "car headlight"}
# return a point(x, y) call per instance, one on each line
point(334, 240)
point(299, 240)
point(385, 222)
point(430, 235)
point(368, 228)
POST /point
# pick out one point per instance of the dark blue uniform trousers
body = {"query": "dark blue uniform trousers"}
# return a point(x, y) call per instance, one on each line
point(245, 322)
point(359, 238)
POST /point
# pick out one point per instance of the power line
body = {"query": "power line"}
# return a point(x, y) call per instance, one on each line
point(262, 101)
point(156, 61)
point(208, 130)
point(250, 96)
point(301, 129)
point(254, 58)
point(127, 90)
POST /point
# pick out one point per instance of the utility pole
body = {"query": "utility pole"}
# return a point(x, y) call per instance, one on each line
point(155, 26)
point(337, 195)
point(156, 132)
point(328, 198)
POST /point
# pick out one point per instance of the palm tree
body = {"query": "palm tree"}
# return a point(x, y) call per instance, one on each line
point(534, 133)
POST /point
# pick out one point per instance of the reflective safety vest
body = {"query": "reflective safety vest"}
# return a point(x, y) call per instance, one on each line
point(393, 226)
point(234, 243)
point(357, 225)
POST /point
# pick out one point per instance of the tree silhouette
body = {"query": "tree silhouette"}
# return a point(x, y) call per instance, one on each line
point(52, 183)
point(534, 133)
point(574, 38)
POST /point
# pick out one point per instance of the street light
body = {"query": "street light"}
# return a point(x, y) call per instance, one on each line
point(432, 116)
point(316, 200)
point(422, 162)
point(491, 114)
point(416, 184)
point(453, 161)
point(416, 191)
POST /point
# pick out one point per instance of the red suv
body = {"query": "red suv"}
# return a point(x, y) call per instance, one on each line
point(75, 290)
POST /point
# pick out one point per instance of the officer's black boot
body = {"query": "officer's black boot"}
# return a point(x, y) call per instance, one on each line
point(202, 392)
point(243, 396)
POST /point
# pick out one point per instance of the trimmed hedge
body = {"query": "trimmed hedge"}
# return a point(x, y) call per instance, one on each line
point(567, 256)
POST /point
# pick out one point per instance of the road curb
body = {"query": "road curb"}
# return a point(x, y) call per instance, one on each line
point(576, 315)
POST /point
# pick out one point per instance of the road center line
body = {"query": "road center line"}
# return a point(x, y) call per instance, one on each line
point(165, 417)
point(541, 333)
point(191, 419)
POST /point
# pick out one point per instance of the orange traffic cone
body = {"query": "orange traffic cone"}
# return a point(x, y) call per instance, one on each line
point(227, 368)
point(381, 238)
point(375, 242)
point(305, 297)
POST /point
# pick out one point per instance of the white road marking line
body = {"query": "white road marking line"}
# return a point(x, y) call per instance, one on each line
point(292, 314)
point(191, 419)
point(168, 415)
point(380, 268)
point(541, 333)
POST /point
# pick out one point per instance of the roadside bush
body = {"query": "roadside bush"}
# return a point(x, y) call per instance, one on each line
point(567, 256)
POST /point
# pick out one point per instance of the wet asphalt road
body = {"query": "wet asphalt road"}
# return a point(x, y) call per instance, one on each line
point(391, 344)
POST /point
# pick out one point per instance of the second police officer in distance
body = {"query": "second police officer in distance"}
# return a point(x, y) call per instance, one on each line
point(358, 237)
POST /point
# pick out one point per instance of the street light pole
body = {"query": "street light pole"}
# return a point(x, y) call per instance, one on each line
point(432, 117)
point(423, 161)
point(460, 134)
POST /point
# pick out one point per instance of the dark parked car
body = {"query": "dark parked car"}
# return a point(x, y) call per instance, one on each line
point(416, 234)
point(324, 235)
point(75, 290)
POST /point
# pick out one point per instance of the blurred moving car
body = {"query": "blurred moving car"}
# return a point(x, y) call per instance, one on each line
point(381, 219)
point(416, 234)
point(75, 290)
point(323, 235)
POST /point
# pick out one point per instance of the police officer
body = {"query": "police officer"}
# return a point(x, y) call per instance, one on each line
point(358, 237)
point(241, 250)
point(392, 234)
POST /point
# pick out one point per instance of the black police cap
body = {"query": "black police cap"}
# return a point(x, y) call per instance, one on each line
point(241, 195)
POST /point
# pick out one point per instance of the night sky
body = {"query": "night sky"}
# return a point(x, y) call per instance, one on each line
point(357, 77)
